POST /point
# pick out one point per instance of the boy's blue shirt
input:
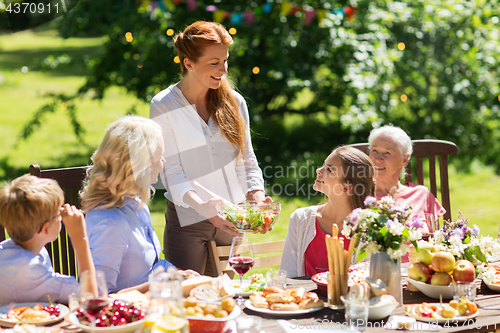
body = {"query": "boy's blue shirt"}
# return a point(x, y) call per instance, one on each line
point(28, 277)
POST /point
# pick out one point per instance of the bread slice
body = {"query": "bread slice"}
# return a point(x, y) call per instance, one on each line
point(190, 284)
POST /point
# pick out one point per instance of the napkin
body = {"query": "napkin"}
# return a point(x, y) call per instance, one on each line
point(412, 324)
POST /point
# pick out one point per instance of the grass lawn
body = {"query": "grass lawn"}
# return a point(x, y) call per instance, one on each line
point(55, 145)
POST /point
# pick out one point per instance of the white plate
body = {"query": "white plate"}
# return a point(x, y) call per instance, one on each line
point(7, 322)
point(244, 284)
point(433, 291)
point(127, 328)
point(249, 305)
point(444, 320)
point(493, 286)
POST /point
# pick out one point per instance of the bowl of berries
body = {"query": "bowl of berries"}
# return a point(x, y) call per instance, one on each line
point(117, 316)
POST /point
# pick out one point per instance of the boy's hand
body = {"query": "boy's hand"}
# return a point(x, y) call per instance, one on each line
point(74, 221)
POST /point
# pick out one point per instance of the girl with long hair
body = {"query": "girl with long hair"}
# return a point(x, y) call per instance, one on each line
point(346, 178)
point(206, 124)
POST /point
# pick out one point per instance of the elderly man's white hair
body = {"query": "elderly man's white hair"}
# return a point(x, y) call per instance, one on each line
point(397, 134)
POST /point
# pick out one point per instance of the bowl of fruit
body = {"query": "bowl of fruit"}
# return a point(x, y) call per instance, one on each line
point(210, 317)
point(434, 278)
point(117, 316)
point(251, 217)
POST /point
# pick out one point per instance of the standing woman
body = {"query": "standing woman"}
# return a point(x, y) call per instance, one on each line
point(206, 130)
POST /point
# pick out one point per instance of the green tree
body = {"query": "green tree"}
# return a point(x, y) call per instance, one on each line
point(430, 67)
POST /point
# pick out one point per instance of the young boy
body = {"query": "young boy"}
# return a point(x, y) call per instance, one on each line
point(31, 212)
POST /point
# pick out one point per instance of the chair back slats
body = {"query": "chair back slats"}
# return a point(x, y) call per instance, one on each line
point(445, 189)
point(61, 250)
point(432, 175)
point(423, 149)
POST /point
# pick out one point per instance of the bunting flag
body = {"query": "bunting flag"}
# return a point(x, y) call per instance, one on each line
point(286, 8)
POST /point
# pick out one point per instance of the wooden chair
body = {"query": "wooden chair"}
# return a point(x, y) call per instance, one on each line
point(430, 149)
point(61, 251)
point(219, 256)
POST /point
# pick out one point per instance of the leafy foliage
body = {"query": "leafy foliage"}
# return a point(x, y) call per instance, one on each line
point(430, 67)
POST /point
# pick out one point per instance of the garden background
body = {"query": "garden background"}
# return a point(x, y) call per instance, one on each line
point(316, 74)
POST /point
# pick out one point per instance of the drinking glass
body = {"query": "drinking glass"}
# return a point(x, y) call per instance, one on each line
point(241, 259)
point(93, 301)
point(276, 278)
point(467, 289)
point(356, 314)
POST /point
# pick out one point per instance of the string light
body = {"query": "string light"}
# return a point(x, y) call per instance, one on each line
point(176, 59)
point(136, 56)
point(128, 37)
point(170, 32)
point(256, 70)
point(404, 98)
point(232, 31)
point(401, 46)
point(139, 65)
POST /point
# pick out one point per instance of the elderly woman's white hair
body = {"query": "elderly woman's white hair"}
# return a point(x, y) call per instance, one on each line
point(397, 134)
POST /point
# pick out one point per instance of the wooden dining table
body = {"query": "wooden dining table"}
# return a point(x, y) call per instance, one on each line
point(486, 320)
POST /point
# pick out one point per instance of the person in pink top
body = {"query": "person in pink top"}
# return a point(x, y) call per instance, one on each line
point(346, 178)
point(390, 149)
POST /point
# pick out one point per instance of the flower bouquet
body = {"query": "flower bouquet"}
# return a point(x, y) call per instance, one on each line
point(382, 227)
point(464, 242)
point(383, 233)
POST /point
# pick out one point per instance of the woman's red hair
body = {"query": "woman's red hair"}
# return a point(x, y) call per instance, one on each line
point(221, 103)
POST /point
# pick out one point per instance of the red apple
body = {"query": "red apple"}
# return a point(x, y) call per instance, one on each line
point(464, 271)
point(443, 262)
point(441, 279)
point(418, 271)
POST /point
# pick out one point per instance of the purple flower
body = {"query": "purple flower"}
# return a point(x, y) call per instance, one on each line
point(397, 209)
point(458, 232)
point(354, 215)
point(370, 201)
point(417, 223)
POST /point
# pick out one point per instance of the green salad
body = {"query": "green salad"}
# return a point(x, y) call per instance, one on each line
point(258, 283)
point(253, 219)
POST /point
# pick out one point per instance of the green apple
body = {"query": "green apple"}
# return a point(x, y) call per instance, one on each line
point(425, 253)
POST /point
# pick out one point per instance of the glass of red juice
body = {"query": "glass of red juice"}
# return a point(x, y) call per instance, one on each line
point(93, 295)
point(241, 259)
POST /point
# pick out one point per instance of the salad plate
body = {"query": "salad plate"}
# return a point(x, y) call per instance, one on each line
point(251, 217)
point(441, 320)
point(11, 322)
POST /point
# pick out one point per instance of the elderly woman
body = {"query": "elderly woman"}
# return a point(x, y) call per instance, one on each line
point(390, 150)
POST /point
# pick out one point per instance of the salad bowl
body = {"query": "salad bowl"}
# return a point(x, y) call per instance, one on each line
point(251, 217)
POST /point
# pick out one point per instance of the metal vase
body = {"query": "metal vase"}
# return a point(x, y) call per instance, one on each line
point(389, 271)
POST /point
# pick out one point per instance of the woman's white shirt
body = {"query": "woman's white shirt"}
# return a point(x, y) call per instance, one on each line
point(197, 151)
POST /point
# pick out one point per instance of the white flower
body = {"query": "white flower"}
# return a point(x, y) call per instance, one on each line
point(346, 230)
point(367, 214)
point(481, 268)
point(388, 201)
point(456, 246)
point(415, 234)
point(394, 227)
point(401, 251)
point(438, 237)
point(372, 248)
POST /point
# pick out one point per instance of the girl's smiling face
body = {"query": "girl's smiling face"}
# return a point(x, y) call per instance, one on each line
point(210, 67)
point(329, 179)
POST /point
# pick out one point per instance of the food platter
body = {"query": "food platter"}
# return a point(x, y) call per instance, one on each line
point(10, 322)
point(127, 328)
point(442, 320)
point(493, 286)
point(244, 284)
point(250, 306)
